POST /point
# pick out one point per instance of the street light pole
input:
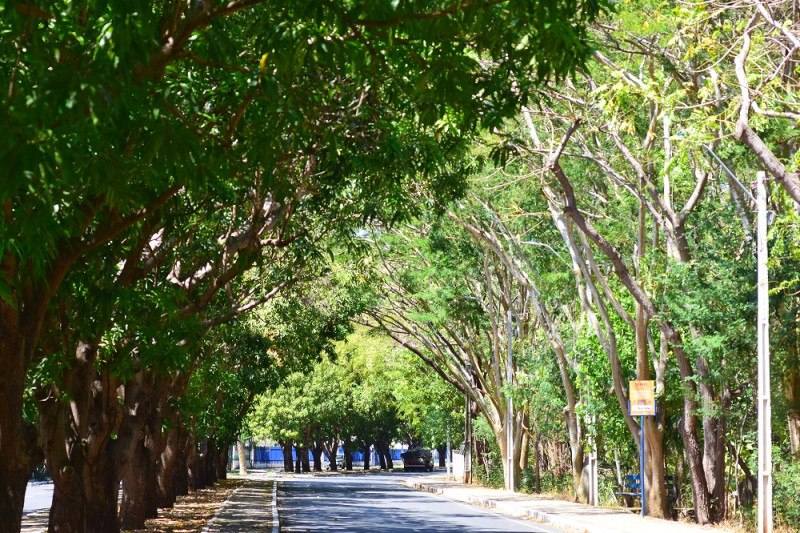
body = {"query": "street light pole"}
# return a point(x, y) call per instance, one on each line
point(468, 429)
point(509, 412)
point(448, 459)
point(764, 405)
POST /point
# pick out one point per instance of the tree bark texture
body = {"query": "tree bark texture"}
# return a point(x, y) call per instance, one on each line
point(134, 507)
point(365, 447)
point(167, 469)
point(316, 453)
point(77, 423)
point(442, 451)
point(141, 445)
point(381, 456)
point(210, 460)
point(791, 388)
point(222, 463)
point(286, 448)
point(240, 453)
point(19, 448)
point(348, 460)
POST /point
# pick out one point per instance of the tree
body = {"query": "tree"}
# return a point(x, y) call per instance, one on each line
point(108, 118)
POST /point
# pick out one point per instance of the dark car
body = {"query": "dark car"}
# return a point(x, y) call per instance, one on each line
point(417, 459)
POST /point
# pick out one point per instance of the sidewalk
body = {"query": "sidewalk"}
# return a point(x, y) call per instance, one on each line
point(249, 508)
point(576, 516)
point(35, 522)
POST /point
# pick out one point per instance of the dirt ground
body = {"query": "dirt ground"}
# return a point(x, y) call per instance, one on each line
point(192, 512)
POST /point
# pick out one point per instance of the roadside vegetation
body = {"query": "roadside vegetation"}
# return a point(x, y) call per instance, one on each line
point(314, 220)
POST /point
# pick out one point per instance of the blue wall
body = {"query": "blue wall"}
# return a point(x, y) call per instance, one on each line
point(274, 454)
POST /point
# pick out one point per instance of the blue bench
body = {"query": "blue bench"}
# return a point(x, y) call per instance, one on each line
point(633, 486)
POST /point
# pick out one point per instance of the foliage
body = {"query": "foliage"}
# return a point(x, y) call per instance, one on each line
point(785, 490)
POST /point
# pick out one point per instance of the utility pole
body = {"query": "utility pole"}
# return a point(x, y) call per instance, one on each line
point(509, 410)
point(468, 429)
point(764, 406)
point(448, 461)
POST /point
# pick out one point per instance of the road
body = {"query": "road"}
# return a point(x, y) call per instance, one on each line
point(378, 503)
point(38, 496)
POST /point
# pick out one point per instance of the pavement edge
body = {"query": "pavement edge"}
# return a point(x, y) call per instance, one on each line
point(276, 521)
point(512, 509)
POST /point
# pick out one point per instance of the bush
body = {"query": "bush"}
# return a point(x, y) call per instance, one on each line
point(785, 491)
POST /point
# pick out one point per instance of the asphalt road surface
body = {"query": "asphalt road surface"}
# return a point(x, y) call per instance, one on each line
point(38, 496)
point(379, 504)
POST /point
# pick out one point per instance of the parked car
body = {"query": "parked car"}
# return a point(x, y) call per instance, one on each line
point(339, 462)
point(417, 459)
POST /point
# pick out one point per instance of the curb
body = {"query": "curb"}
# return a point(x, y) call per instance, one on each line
point(276, 521)
point(513, 509)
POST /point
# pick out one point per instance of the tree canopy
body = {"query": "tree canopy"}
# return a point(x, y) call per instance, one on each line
point(201, 200)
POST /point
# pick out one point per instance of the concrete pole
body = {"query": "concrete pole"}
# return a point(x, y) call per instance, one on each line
point(468, 430)
point(447, 460)
point(594, 498)
point(510, 411)
point(764, 406)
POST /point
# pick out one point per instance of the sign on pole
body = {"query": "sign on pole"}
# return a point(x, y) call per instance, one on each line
point(642, 394)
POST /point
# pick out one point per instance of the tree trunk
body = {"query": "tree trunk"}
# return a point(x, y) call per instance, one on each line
point(68, 508)
point(442, 451)
point(140, 494)
point(525, 443)
point(388, 452)
point(381, 456)
point(792, 391)
point(286, 448)
point(19, 448)
point(186, 446)
point(298, 460)
point(348, 460)
point(331, 450)
point(301, 459)
point(134, 507)
point(76, 423)
point(305, 462)
point(657, 503)
point(316, 452)
point(94, 511)
point(102, 496)
point(222, 462)
point(366, 456)
point(241, 454)
point(167, 470)
point(210, 462)
point(194, 470)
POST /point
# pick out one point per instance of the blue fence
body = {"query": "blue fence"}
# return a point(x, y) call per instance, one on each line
point(274, 454)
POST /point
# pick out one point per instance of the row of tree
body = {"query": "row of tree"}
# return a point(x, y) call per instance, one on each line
point(370, 396)
point(168, 167)
point(614, 222)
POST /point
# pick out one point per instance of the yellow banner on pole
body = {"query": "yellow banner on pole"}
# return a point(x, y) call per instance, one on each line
point(642, 394)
